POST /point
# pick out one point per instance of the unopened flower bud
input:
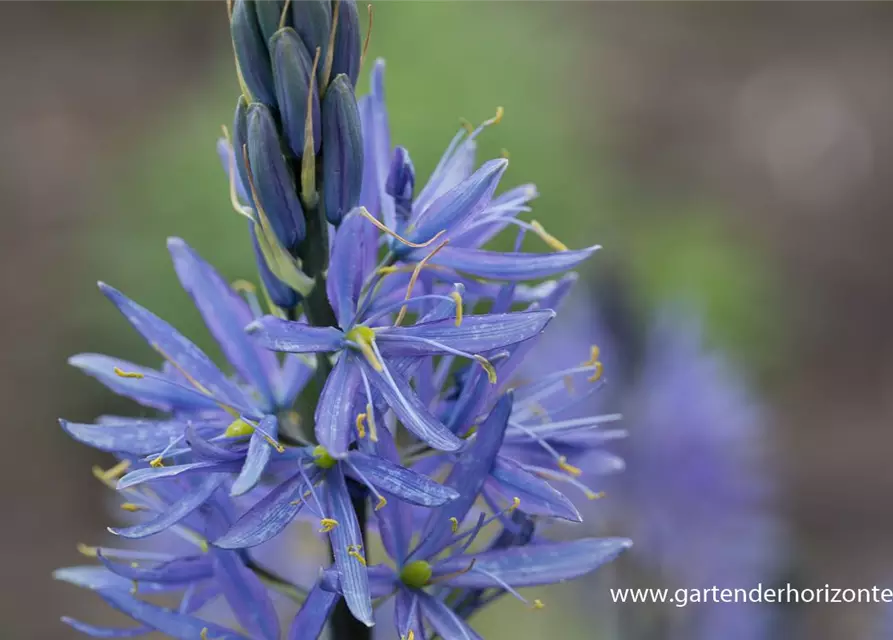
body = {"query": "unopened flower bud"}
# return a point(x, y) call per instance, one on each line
point(251, 52)
point(292, 67)
point(273, 179)
point(342, 158)
point(312, 20)
point(269, 14)
point(348, 45)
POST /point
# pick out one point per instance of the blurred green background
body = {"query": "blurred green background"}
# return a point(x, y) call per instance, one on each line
point(729, 156)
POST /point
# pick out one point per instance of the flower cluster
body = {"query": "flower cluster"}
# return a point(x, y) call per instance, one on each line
point(378, 397)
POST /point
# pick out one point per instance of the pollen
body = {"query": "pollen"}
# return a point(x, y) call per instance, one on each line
point(547, 237)
point(128, 374)
point(454, 525)
point(356, 551)
point(457, 298)
point(239, 428)
point(593, 361)
point(275, 444)
point(361, 428)
point(488, 367)
point(327, 524)
point(157, 462)
point(382, 503)
point(538, 604)
point(498, 117)
point(416, 574)
point(516, 502)
point(567, 467)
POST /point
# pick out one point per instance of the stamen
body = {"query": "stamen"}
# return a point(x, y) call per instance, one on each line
point(538, 604)
point(414, 278)
point(368, 36)
point(132, 507)
point(361, 429)
point(328, 524)
point(413, 245)
point(569, 468)
point(457, 297)
point(454, 525)
point(195, 383)
point(156, 462)
point(364, 337)
point(547, 237)
point(128, 374)
point(284, 15)
point(450, 576)
point(108, 476)
point(382, 503)
point(87, 550)
point(498, 117)
point(330, 53)
point(594, 362)
point(465, 124)
point(249, 292)
point(549, 474)
point(516, 502)
point(408, 636)
point(355, 551)
point(488, 367)
point(502, 583)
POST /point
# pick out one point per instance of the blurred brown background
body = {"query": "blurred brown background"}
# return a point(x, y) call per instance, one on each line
point(764, 124)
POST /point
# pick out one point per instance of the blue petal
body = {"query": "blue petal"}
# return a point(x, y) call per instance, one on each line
point(246, 595)
point(512, 266)
point(226, 315)
point(411, 411)
point(294, 337)
point(532, 565)
point(206, 450)
point(154, 389)
point(336, 409)
point(148, 474)
point(459, 204)
point(394, 519)
point(377, 149)
point(311, 619)
point(407, 615)
point(190, 501)
point(407, 485)
point(467, 477)
point(177, 571)
point(353, 258)
point(537, 496)
point(174, 624)
point(105, 632)
point(259, 452)
point(476, 334)
point(344, 537)
point(98, 578)
point(136, 438)
point(177, 349)
point(444, 620)
point(270, 515)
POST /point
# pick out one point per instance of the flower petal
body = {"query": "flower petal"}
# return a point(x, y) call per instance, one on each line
point(467, 477)
point(176, 348)
point(345, 538)
point(532, 565)
point(294, 337)
point(136, 438)
point(354, 252)
point(512, 266)
point(537, 496)
point(259, 452)
point(407, 615)
point(407, 485)
point(105, 632)
point(336, 408)
point(172, 623)
point(476, 334)
point(190, 501)
point(270, 515)
point(177, 571)
point(311, 619)
point(147, 474)
point(444, 620)
point(226, 315)
point(376, 149)
point(98, 578)
point(246, 595)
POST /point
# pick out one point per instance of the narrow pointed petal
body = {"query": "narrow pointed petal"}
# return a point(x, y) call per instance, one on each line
point(98, 578)
point(167, 621)
point(137, 438)
point(354, 253)
point(226, 315)
point(336, 410)
point(176, 348)
point(190, 501)
point(259, 453)
point(346, 57)
point(251, 52)
point(149, 474)
point(395, 518)
point(532, 565)
point(177, 571)
point(444, 620)
point(408, 615)
point(270, 515)
point(511, 266)
point(411, 411)
point(467, 477)
point(153, 389)
point(344, 538)
point(206, 450)
point(460, 204)
point(476, 334)
point(246, 595)
point(377, 149)
point(105, 632)
point(537, 496)
point(398, 481)
point(294, 337)
point(311, 619)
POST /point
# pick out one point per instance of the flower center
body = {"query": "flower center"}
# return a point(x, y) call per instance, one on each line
point(364, 337)
point(416, 574)
point(322, 458)
point(238, 428)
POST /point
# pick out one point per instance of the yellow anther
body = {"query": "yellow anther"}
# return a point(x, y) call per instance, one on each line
point(454, 525)
point(597, 374)
point(567, 467)
point(595, 496)
point(370, 419)
point(239, 428)
point(203, 545)
point(516, 502)
point(355, 551)
point(128, 374)
point(327, 525)
point(594, 362)
point(547, 237)
point(363, 337)
point(274, 443)
point(415, 276)
point(130, 506)
point(471, 431)
point(457, 298)
point(87, 550)
point(498, 117)
point(382, 503)
point(465, 124)
point(388, 269)
point(538, 604)
point(135, 565)
point(408, 636)
point(156, 463)
point(106, 476)
point(361, 428)
point(243, 286)
point(134, 587)
point(414, 245)
point(488, 367)
point(504, 153)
